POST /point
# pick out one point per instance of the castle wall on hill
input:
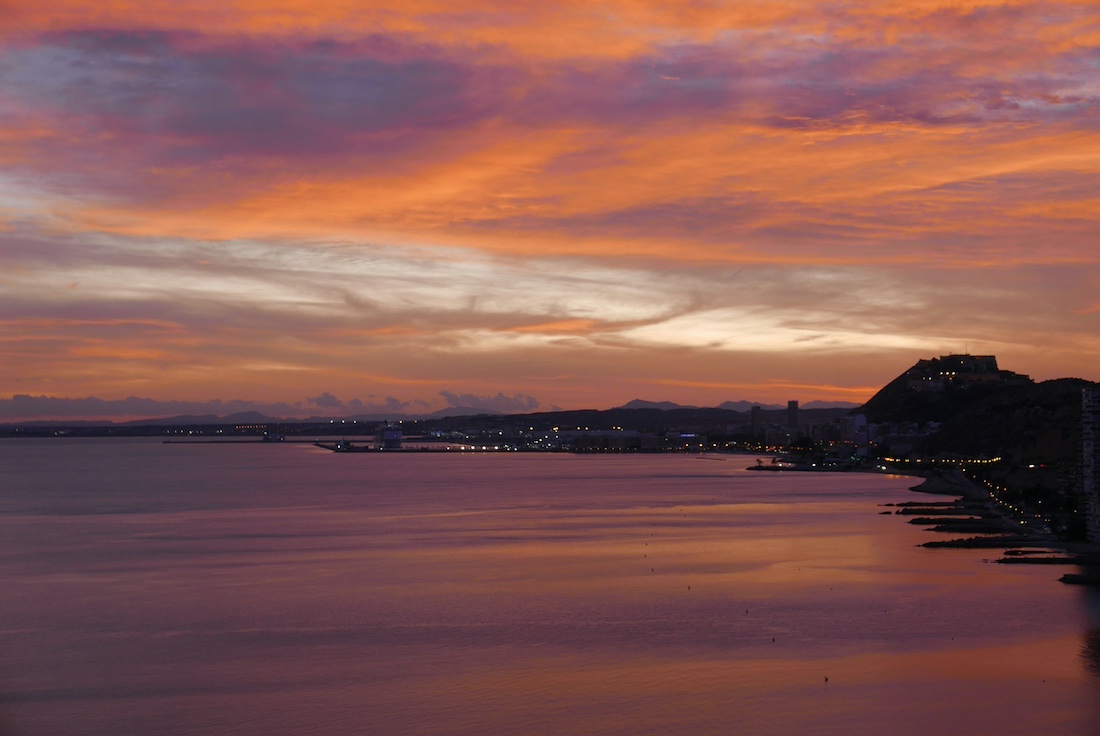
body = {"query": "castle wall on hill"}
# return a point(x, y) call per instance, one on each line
point(936, 374)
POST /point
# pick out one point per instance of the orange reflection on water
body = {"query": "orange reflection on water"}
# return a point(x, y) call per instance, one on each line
point(500, 595)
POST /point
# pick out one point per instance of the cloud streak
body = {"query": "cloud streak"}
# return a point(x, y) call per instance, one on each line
point(573, 202)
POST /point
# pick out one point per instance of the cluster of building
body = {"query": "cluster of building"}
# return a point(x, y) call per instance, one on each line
point(1090, 470)
point(575, 439)
point(862, 438)
point(852, 438)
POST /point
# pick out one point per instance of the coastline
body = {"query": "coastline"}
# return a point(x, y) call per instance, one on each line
point(976, 511)
point(1000, 524)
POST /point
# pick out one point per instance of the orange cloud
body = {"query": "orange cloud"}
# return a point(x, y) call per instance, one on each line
point(281, 197)
point(557, 327)
point(847, 393)
point(722, 192)
point(119, 353)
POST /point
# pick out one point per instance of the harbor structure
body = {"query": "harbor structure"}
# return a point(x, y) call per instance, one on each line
point(388, 437)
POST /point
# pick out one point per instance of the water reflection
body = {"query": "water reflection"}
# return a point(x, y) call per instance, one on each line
point(1090, 648)
point(1090, 651)
point(248, 590)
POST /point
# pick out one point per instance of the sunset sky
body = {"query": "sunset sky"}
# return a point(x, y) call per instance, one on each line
point(336, 207)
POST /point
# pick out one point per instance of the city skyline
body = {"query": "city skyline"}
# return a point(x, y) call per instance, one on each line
point(408, 207)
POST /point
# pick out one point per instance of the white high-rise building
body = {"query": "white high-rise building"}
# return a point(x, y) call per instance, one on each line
point(1090, 434)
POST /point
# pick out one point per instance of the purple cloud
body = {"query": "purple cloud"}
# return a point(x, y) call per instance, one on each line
point(203, 97)
point(388, 405)
point(145, 115)
point(326, 401)
point(199, 98)
point(791, 84)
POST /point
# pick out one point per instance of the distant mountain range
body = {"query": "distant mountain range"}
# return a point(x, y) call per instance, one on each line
point(736, 405)
point(255, 417)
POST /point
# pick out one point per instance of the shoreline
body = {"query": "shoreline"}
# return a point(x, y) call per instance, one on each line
point(999, 523)
point(1024, 541)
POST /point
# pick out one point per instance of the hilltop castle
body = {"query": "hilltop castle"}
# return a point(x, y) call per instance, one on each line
point(937, 374)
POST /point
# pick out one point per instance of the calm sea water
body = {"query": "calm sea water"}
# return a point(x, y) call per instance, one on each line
point(281, 589)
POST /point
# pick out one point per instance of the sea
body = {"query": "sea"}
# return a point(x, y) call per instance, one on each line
point(249, 588)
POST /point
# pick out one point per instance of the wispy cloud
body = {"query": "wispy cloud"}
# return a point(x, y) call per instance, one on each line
point(569, 201)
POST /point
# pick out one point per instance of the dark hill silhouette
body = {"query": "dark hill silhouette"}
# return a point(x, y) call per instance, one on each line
point(939, 389)
point(990, 412)
point(1035, 423)
point(643, 404)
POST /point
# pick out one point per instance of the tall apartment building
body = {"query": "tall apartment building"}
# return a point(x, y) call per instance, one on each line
point(1090, 434)
point(792, 417)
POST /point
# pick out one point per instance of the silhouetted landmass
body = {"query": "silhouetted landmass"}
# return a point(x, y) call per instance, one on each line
point(739, 406)
point(1001, 414)
point(1036, 423)
point(938, 389)
point(244, 417)
point(714, 421)
point(966, 407)
point(747, 406)
point(663, 405)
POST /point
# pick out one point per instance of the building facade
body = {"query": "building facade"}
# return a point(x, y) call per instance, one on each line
point(1090, 435)
point(757, 422)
